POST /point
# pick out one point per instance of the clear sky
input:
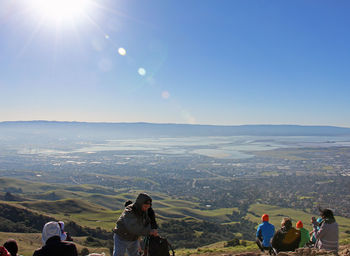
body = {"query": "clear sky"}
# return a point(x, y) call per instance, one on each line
point(225, 62)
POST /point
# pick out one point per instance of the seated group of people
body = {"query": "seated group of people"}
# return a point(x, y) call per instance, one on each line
point(324, 234)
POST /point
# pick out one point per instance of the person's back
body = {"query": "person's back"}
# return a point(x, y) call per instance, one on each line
point(327, 236)
point(264, 233)
point(287, 238)
point(55, 247)
point(304, 234)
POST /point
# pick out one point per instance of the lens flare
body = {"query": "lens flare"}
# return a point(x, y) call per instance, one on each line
point(122, 51)
point(165, 95)
point(141, 71)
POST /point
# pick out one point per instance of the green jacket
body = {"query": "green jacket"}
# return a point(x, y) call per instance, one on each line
point(305, 237)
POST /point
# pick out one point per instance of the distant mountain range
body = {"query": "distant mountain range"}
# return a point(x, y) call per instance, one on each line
point(117, 130)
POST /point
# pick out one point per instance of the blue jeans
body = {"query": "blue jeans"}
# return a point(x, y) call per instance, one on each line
point(122, 246)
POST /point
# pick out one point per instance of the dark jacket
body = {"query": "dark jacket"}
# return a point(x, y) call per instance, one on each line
point(55, 247)
point(286, 239)
point(134, 222)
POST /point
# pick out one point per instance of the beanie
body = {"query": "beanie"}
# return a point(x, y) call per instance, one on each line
point(265, 217)
point(299, 224)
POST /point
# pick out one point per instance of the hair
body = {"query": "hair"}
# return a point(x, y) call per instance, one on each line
point(127, 203)
point(11, 246)
point(326, 213)
point(286, 222)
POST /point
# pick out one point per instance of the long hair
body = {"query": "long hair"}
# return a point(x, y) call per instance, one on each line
point(326, 213)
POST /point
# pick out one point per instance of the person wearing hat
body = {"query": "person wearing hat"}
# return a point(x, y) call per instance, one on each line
point(137, 219)
point(304, 234)
point(53, 246)
point(287, 238)
point(264, 233)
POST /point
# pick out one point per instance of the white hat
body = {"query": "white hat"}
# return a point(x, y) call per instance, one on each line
point(51, 229)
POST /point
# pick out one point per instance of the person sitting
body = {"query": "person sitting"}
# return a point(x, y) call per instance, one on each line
point(11, 246)
point(264, 233)
point(327, 236)
point(137, 219)
point(287, 238)
point(304, 234)
point(53, 246)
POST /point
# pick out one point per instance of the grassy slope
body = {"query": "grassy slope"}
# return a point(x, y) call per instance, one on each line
point(87, 207)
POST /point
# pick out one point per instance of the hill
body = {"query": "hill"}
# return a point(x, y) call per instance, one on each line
point(91, 211)
point(28, 129)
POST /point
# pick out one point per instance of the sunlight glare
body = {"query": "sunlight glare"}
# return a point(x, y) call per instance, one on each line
point(61, 10)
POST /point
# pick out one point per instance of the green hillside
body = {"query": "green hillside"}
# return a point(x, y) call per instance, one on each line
point(91, 210)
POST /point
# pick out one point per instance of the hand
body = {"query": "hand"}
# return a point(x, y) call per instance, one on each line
point(313, 221)
point(154, 232)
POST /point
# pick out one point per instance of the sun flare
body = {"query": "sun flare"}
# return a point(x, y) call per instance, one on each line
point(61, 10)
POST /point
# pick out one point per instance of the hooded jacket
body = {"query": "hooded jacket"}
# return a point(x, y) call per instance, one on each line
point(286, 239)
point(134, 222)
point(328, 235)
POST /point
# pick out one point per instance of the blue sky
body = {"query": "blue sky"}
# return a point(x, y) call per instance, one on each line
point(225, 62)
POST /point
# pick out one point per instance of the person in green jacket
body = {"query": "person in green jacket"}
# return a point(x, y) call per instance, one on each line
point(305, 236)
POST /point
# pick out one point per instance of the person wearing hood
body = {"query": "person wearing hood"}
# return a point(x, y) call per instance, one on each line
point(137, 219)
point(264, 233)
point(287, 238)
point(327, 236)
point(304, 234)
point(53, 246)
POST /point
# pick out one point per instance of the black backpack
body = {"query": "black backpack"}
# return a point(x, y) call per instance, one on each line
point(157, 246)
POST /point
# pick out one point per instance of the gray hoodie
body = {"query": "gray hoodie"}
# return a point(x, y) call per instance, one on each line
point(328, 235)
point(134, 222)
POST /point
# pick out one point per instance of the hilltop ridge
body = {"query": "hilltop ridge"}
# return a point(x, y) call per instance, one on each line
point(168, 129)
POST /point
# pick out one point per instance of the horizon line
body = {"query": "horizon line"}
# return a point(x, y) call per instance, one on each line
point(156, 123)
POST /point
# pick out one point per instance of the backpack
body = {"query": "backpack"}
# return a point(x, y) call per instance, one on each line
point(157, 246)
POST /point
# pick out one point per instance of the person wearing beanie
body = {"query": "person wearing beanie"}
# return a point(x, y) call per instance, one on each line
point(138, 219)
point(304, 234)
point(264, 233)
point(11, 246)
point(287, 238)
point(53, 246)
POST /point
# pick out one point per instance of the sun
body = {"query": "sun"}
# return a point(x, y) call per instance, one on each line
point(61, 11)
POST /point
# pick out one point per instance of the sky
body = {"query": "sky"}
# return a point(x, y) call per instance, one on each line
point(227, 62)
